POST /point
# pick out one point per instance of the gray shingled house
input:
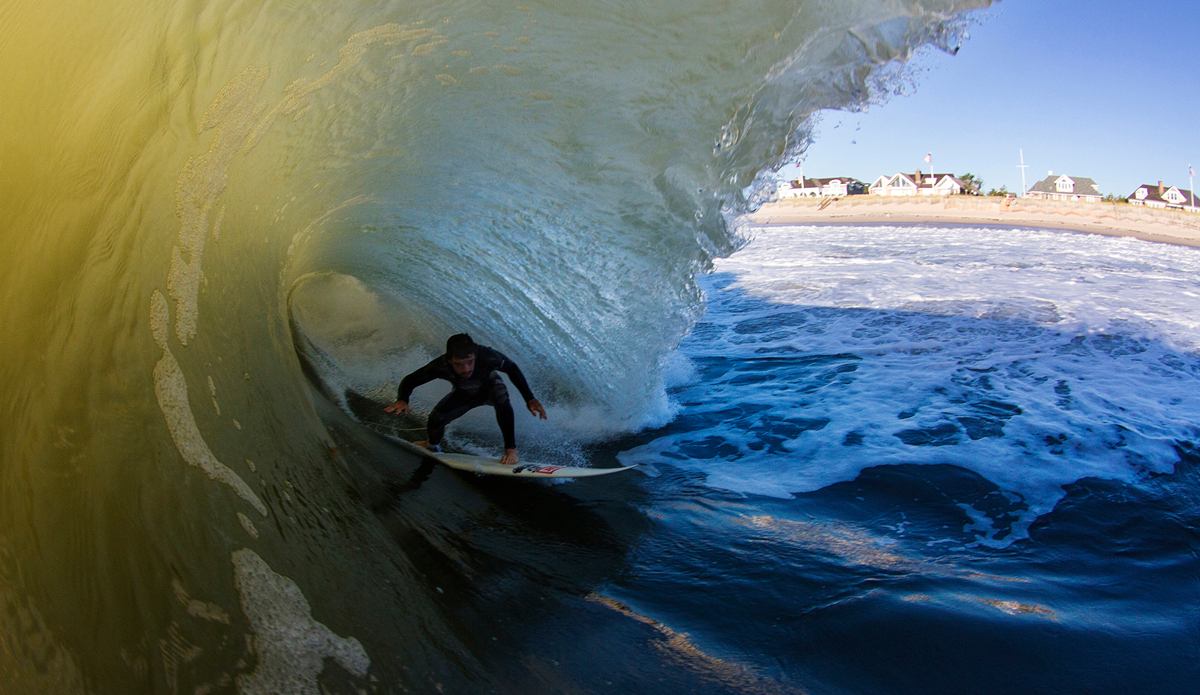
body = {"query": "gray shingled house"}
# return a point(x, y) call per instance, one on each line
point(1065, 188)
point(1160, 196)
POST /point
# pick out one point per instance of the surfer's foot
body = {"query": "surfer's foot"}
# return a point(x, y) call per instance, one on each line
point(432, 447)
point(509, 458)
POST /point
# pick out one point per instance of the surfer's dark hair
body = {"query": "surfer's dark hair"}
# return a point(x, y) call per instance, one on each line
point(460, 346)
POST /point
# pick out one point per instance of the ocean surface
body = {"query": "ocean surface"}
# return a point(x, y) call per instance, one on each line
point(870, 459)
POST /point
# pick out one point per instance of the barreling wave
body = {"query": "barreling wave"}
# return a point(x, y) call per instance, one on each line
point(549, 178)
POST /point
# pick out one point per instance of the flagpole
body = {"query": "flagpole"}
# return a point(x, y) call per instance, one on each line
point(1192, 185)
point(1023, 166)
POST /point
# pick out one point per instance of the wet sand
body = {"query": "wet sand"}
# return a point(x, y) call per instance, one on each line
point(1114, 219)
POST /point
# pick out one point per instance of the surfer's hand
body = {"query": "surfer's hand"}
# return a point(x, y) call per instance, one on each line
point(399, 407)
point(509, 458)
point(535, 408)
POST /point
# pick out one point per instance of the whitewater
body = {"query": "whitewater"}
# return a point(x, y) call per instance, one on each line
point(870, 459)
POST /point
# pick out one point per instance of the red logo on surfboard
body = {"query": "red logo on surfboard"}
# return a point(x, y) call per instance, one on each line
point(536, 469)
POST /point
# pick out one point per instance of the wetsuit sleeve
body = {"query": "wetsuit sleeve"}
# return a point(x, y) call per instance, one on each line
point(514, 374)
point(424, 375)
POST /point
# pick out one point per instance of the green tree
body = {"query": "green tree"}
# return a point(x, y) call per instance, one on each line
point(1002, 191)
point(973, 182)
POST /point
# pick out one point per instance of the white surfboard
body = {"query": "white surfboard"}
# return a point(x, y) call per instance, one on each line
point(489, 466)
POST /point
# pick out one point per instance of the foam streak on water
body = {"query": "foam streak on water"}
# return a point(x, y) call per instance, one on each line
point(1035, 359)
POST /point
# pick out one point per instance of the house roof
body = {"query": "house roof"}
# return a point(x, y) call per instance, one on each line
point(819, 183)
point(1083, 185)
point(1152, 193)
point(938, 178)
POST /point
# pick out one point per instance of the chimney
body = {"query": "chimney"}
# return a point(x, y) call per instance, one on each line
point(918, 178)
point(1160, 188)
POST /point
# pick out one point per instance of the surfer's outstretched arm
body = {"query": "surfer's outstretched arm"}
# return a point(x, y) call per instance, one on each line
point(514, 374)
point(424, 375)
point(518, 379)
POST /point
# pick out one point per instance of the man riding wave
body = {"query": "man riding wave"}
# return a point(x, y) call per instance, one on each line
point(474, 372)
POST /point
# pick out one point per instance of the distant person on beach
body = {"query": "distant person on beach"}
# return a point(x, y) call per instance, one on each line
point(474, 372)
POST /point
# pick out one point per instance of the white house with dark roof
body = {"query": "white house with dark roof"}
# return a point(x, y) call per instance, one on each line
point(1160, 196)
point(1065, 188)
point(901, 184)
point(822, 188)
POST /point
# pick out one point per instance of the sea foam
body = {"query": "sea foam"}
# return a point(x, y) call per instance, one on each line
point(1032, 358)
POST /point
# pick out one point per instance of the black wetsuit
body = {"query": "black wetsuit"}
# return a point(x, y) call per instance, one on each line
point(483, 387)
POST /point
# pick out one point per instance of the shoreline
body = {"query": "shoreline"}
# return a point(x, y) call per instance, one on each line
point(1110, 219)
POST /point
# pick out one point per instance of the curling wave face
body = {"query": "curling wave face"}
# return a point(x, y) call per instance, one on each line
point(551, 178)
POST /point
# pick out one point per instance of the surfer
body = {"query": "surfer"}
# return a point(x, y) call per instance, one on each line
point(474, 371)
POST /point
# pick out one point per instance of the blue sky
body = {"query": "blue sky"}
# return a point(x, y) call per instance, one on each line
point(1103, 89)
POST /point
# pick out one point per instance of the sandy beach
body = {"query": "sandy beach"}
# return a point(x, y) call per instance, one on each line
point(1114, 219)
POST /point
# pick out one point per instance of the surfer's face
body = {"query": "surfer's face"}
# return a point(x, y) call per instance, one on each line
point(463, 366)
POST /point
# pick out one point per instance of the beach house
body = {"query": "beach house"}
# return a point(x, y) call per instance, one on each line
point(822, 188)
point(1065, 188)
point(901, 184)
point(1160, 196)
